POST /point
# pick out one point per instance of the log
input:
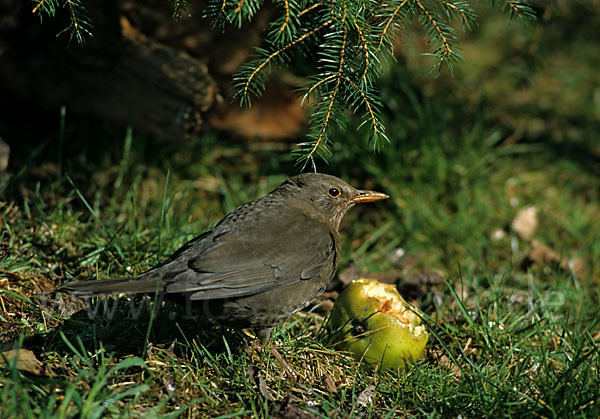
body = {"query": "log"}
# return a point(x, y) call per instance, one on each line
point(128, 80)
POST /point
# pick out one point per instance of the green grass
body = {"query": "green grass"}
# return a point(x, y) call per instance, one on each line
point(509, 334)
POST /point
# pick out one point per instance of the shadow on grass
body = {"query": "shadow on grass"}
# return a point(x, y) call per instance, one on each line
point(121, 332)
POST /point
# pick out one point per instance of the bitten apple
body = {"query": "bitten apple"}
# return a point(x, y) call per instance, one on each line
point(378, 326)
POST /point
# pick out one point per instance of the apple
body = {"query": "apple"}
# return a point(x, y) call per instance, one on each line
point(377, 325)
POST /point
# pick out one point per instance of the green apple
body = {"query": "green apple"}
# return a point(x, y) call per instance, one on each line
point(377, 324)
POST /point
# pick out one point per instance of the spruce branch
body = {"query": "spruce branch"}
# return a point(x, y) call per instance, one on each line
point(243, 11)
point(370, 105)
point(364, 47)
point(316, 86)
point(79, 27)
point(353, 42)
point(180, 8)
point(517, 8)
point(238, 9)
point(390, 21)
point(462, 9)
point(41, 3)
point(284, 27)
point(353, 46)
point(324, 125)
point(286, 19)
point(310, 8)
point(442, 35)
point(248, 76)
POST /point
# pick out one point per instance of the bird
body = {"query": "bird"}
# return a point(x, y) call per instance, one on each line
point(261, 263)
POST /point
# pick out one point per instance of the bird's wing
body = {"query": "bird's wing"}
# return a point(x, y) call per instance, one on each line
point(237, 260)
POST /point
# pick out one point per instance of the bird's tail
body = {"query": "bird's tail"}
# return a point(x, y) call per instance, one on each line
point(141, 284)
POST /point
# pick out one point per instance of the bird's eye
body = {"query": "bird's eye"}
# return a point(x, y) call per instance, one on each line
point(334, 192)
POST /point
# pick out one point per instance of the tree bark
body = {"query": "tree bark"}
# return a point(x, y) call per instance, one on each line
point(129, 80)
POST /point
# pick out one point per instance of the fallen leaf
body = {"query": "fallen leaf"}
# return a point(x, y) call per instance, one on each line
point(278, 114)
point(330, 384)
point(449, 364)
point(544, 255)
point(573, 265)
point(256, 376)
point(27, 361)
point(497, 235)
point(365, 398)
point(525, 222)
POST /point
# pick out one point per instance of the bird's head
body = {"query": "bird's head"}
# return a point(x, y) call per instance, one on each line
point(326, 197)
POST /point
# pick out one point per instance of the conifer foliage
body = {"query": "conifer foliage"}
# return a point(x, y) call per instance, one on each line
point(350, 42)
point(80, 25)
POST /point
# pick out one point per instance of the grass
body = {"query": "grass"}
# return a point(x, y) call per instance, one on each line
point(512, 333)
point(508, 335)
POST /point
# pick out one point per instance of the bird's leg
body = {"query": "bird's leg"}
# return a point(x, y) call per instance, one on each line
point(264, 334)
point(283, 362)
point(265, 340)
point(265, 337)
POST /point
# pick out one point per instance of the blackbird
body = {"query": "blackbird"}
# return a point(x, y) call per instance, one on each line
point(261, 263)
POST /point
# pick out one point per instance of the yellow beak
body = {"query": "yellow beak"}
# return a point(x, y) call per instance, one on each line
point(368, 196)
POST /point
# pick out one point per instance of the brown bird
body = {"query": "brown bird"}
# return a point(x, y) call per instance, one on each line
point(261, 263)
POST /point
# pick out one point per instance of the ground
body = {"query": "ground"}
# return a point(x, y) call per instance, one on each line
point(490, 230)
